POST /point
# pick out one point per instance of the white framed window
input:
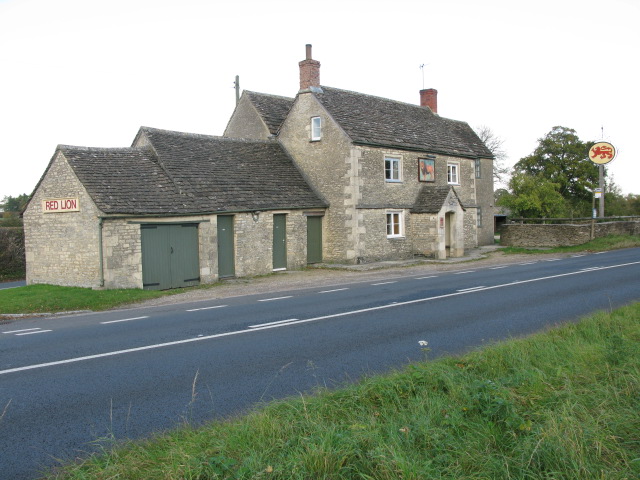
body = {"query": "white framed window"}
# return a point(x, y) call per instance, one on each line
point(395, 225)
point(316, 129)
point(453, 173)
point(393, 169)
point(478, 168)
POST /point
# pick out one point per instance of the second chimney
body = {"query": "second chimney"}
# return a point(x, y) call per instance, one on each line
point(429, 98)
point(309, 71)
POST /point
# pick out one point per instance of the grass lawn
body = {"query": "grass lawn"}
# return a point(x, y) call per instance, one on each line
point(610, 242)
point(564, 404)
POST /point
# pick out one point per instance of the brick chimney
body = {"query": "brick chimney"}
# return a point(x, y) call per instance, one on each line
point(309, 71)
point(429, 98)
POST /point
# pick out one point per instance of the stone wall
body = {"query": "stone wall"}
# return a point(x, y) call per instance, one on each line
point(62, 248)
point(532, 235)
point(246, 122)
point(485, 199)
point(122, 254)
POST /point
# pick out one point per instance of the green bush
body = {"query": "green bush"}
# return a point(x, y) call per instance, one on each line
point(12, 259)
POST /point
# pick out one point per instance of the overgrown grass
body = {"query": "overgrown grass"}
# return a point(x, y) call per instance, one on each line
point(51, 298)
point(610, 242)
point(564, 404)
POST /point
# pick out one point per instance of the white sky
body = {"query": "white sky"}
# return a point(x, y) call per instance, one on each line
point(91, 72)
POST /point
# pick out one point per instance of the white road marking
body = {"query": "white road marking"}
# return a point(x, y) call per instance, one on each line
point(466, 271)
point(274, 323)
point(498, 268)
point(275, 298)
point(334, 290)
point(206, 308)
point(424, 278)
point(580, 255)
point(471, 288)
point(23, 330)
point(31, 333)
point(383, 283)
point(552, 259)
point(528, 263)
point(124, 320)
point(600, 253)
point(308, 320)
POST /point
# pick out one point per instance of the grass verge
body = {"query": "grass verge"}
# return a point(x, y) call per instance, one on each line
point(564, 404)
point(610, 242)
point(51, 298)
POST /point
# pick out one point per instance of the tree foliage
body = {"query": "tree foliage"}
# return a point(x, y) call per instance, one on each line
point(14, 204)
point(496, 145)
point(532, 196)
point(563, 159)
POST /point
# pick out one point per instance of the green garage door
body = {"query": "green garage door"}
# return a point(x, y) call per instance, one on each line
point(170, 256)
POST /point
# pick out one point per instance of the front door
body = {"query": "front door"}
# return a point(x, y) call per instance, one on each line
point(280, 241)
point(314, 239)
point(226, 248)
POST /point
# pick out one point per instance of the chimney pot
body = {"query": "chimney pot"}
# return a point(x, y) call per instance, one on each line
point(429, 98)
point(309, 51)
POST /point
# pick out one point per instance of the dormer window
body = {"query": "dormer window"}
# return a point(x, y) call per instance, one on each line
point(316, 129)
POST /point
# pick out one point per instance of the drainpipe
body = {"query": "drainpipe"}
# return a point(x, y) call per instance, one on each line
point(100, 222)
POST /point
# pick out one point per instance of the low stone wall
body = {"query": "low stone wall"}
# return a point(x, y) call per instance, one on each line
point(534, 235)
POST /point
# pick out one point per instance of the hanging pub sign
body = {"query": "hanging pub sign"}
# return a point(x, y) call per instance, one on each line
point(602, 152)
point(59, 205)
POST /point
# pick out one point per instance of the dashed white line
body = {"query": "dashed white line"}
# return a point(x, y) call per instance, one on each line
point(206, 308)
point(384, 283)
point(334, 290)
point(471, 288)
point(23, 330)
point(31, 333)
point(552, 259)
point(275, 298)
point(580, 255)
point(279, 322)
point(498, 268)
point(528, 263)
point(424, 278)
point(124, 320)
point(466, 271)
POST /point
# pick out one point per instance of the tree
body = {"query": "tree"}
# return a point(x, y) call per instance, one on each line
point(14, 204)
point(563, 159)
point(495, 145)
point(532, 196)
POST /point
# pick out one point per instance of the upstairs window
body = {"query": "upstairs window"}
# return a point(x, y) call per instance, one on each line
point(392, 169)
point(478, 169)
point(316, 129)
point(394, 225)
point(453, 173)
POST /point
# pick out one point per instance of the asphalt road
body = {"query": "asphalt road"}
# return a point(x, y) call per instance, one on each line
point(68, 385)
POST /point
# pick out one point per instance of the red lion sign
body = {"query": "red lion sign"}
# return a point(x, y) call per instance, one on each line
point(602, 152)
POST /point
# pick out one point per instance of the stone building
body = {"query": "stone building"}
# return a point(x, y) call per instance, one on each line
point(330, 175)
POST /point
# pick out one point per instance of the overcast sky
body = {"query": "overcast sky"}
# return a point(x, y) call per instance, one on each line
point(91, 72)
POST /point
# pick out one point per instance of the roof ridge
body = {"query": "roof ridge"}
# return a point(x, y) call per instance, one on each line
point(203, 136)
point(251, 92)
point(63, 147)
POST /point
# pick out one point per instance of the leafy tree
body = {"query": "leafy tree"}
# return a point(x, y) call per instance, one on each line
point(495, 144)
point(562, 158)
point(533, 196)
point(14, 204)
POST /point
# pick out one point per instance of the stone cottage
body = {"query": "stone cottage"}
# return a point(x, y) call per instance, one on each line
point(330, 175)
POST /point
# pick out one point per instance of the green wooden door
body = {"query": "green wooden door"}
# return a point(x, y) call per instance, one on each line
point(279, 241)
point(169, 256)
point(226, 249)
point(184, 258)
point(314, 239)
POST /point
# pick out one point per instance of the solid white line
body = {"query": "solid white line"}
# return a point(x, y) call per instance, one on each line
point(383, 283)
point(123, 320)
point(276, 298)
point(274, 323)
point(324, 317)
point(206, 308)
point(334, 290)
point(424, 278)
point(23, 330)
point(31, 333)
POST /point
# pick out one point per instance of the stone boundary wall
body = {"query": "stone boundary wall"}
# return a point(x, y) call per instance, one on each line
point(535, 235)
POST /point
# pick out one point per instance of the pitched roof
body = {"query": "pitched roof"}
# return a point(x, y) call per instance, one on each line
point(272, 108)
point(370, 120)
point(431, 198)
point(182, 173)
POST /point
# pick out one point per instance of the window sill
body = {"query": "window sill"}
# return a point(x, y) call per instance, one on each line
point(392, 181)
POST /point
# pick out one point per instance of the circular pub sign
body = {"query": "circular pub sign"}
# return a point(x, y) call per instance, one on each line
point(602, 152)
